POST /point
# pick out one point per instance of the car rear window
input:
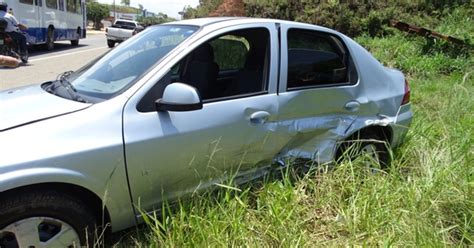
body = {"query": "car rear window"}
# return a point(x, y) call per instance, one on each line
point(126, 25)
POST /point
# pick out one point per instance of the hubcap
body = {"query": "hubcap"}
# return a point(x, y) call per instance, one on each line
point(370, 151)
point(39, 232)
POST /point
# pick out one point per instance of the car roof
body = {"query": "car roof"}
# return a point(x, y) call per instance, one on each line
point(220, 21)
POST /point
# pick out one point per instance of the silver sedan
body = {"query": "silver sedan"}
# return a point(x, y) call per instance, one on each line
point(182, 107)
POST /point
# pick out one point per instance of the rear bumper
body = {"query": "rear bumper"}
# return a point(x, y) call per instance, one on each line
point(401, 124)
point(115, 38)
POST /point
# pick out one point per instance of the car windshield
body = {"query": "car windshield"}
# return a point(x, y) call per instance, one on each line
point(125, 24)
point(119, 69)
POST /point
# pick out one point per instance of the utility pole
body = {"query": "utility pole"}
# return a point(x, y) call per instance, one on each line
point(115, 13)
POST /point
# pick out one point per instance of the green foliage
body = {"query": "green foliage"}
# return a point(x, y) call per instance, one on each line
point(96, 12)
point(153, 20)
point(125, 2)
point(417, 55)
point(349, 17)
point(230, 52)
point(203, 9)
point(124, 9)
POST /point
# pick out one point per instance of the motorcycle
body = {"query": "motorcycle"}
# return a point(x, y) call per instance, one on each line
point(8, 46)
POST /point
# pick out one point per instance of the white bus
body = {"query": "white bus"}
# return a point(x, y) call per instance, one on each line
point(51, 20)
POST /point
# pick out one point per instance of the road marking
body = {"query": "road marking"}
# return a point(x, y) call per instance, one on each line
point(66, 54)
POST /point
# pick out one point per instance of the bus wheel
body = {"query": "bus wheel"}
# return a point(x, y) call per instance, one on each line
point(76, 42)
point(50, 39)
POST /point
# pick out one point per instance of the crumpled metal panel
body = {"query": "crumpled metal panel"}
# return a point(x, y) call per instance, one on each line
point(309, 142)
point(311, 138)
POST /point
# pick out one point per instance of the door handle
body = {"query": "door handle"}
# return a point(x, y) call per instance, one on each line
point(352, 106)
point(259, 117)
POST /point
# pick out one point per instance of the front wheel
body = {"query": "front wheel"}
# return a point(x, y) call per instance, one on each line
point(45, 218)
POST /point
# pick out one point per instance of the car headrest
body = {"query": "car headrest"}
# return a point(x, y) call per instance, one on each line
point(204, 53)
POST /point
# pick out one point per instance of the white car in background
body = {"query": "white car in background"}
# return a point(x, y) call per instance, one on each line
point(121, 30)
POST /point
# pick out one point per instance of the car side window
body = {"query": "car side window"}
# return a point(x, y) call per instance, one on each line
point(230, 52)
point(229, 66)
point(317, 59)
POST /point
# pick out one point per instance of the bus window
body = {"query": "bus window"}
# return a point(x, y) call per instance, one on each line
point(27, 1)
point(73, 6)
point(61, 5)
point(52, 4)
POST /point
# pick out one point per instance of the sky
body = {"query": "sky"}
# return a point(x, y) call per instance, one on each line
point(169, 7)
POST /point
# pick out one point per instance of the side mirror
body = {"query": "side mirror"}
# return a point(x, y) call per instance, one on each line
point(179, 97)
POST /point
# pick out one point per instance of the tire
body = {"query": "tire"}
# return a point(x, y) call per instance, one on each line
point(368, 144)
point(110, 43)
point(50, 39)
point(76, 42)
point(54, 215)
point(24, 57)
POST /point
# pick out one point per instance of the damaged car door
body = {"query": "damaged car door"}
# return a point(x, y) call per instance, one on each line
point(173, 153)
point(320, 81)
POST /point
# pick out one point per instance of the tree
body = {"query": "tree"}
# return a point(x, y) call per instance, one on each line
point(126, 2)
point(203, 9)
point(152, 20)
point(96, 12)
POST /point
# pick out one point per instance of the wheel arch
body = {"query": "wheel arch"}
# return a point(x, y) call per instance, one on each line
point(89, 198)
point(384, 132)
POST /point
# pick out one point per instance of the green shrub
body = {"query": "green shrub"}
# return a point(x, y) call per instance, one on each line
point(417, 55)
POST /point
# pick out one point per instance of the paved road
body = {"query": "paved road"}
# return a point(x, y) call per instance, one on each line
point(46, 65)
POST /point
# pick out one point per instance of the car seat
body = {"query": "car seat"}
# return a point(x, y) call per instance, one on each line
point(201, 72)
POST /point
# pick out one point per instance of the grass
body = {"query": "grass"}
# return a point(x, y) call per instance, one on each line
point(426, 198)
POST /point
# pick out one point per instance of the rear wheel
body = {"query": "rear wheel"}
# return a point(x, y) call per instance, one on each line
point(373, 147)
point(110, 43)
point(24, 57)
point(50, 39)
point(76, 42)
point(45, 218)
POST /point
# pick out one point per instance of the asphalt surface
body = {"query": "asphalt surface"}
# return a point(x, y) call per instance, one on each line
point(45, 65)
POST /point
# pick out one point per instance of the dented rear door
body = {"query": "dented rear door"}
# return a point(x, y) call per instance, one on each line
point(316, 104)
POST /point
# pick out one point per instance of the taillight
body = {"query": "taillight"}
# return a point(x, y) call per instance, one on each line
point(406, 96)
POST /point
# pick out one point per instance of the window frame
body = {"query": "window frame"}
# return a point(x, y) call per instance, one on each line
point(266, 71)
point(199, 39)
point(49, 7)
point(62, 5)
point(27, 3)
point(74, 5)
point(349, 62)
